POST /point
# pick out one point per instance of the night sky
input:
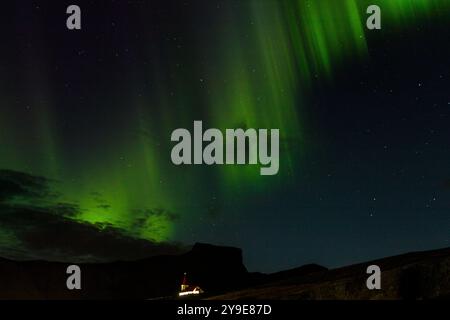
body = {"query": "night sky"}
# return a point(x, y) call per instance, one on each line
point(86, 118)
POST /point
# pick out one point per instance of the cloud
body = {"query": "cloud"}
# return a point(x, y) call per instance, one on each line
point(15, 184)
point(51, 232)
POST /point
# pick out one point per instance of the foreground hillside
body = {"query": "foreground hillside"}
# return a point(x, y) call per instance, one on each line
point(418, 275)
point(220, 272)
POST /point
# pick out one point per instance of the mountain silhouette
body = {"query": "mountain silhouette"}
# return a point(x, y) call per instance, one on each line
point(220, 272)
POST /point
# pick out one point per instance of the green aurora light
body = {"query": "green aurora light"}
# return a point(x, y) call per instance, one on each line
point(267, 54)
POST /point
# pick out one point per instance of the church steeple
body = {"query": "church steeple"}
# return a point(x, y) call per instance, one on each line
point(184, 284)
point(187, 289)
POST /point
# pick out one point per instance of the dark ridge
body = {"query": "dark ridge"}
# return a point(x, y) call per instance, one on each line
point(220, 272)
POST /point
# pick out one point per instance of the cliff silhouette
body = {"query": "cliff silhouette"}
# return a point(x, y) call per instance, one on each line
point(216, 269)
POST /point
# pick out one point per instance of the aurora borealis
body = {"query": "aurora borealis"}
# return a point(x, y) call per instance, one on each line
point(91, 112)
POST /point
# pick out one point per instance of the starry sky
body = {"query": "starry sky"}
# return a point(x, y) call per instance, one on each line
point(86, 118)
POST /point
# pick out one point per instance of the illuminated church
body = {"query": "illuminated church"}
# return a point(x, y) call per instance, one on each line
point(187, 289)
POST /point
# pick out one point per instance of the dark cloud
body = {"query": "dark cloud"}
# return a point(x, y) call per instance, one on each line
point(15, 184)
point(104, 206)
point(53, 233)
point(144, 214)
